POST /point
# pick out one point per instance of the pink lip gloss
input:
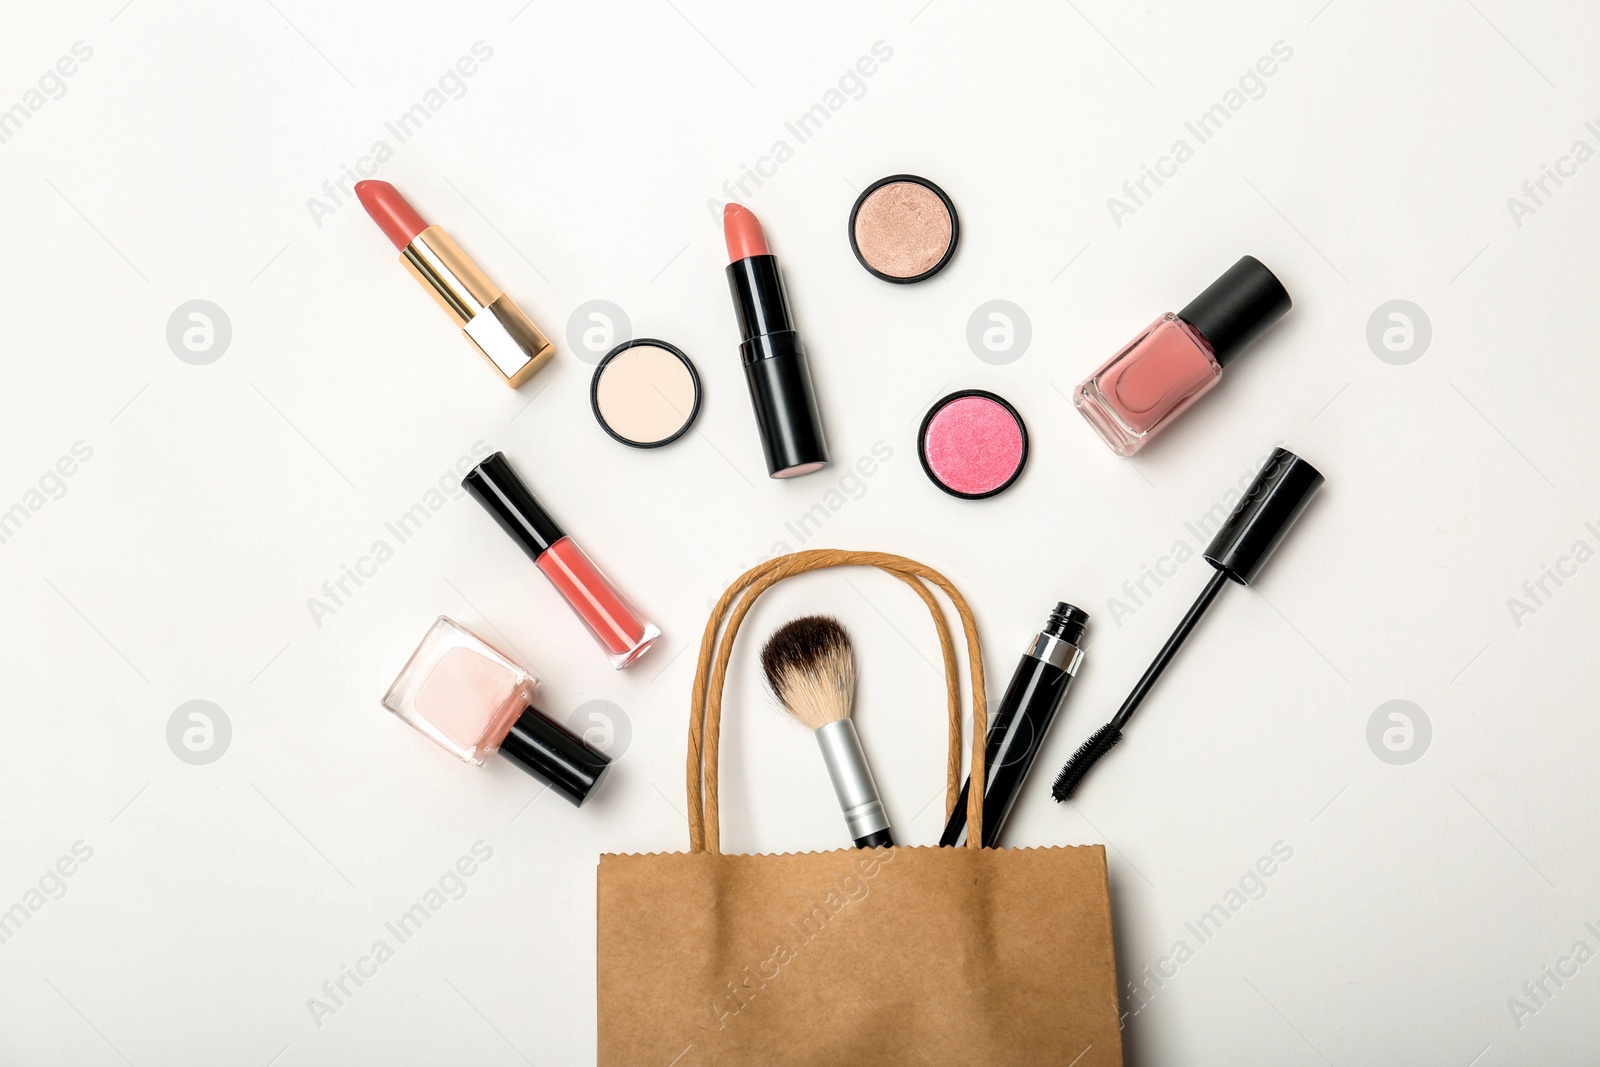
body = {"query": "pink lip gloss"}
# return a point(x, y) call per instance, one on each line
point(1179, 357)
point(621, 630)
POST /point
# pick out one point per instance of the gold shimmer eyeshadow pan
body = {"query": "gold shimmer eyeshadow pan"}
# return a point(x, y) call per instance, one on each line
point(903, 229)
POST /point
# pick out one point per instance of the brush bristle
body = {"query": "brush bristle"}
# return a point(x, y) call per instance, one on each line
point(1100, 742)
point(810, 668)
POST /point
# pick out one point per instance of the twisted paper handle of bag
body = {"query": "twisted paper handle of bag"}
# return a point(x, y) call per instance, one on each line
point(705, 707)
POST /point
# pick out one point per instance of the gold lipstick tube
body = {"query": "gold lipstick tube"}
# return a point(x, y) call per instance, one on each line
point(508, 339)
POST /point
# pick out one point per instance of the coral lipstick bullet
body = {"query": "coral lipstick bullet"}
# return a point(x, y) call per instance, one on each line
point(394, 214)
point(775, 366)
point(744, 234)
point(508, 339)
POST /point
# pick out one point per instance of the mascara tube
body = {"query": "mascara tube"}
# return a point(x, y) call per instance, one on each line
point(1017, 729)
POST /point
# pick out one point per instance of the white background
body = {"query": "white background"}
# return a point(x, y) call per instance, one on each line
point(177, 565)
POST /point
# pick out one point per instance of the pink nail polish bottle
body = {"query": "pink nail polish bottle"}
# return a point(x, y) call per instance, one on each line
point(473, 701)
point(1179, 357)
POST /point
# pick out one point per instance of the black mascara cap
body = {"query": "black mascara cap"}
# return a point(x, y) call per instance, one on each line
point(1270, 506)
point(497, 487)
point(551, 752)
point(1237, 308)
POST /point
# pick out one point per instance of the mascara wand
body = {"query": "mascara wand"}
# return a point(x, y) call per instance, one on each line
point(1280, 492)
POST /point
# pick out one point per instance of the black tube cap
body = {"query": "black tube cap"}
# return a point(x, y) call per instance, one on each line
point(1237, 308)
point(502, 493)
point(1273, 502)
point(549, 751)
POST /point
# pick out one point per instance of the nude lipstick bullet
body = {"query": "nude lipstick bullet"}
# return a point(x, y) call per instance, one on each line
point(508, 339)
point(775, 366)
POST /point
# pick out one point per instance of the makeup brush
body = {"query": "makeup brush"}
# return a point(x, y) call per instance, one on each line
point(808, 664)
point(1271, 505)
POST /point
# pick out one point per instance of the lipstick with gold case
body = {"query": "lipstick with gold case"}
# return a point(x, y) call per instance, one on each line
point(508, 339)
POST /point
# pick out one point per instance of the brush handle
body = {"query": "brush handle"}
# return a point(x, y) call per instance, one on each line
point(853, 784)
point(1186, 626)
point(1104, 739)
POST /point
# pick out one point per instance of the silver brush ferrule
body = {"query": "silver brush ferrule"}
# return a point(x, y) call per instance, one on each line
point(852, 778)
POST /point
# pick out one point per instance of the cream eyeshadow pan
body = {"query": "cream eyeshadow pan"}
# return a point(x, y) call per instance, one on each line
point(646, 393)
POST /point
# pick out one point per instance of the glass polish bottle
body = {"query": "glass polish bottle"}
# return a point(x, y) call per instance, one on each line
point(472, 701)
point(1138, 392)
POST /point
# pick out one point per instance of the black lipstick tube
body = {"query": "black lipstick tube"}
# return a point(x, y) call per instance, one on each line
point(1016, 732)
point(775, 370)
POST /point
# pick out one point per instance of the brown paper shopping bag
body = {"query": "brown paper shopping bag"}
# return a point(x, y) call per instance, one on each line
point(860, 956)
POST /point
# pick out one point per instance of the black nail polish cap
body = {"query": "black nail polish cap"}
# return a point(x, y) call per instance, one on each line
point(551, 752)
point(1237, 308)
point(1270, 506)
point(497, 487)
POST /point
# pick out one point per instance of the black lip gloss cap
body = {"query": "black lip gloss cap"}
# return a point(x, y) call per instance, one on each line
point(1273, 502)
point(1237, 308)
point(497, 487)
point(551, 752)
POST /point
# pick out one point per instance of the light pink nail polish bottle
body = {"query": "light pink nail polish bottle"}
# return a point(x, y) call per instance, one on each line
point(473, 701)
point(1179, 357)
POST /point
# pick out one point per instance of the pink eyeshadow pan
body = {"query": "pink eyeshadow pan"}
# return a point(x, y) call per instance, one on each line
point(972, 444)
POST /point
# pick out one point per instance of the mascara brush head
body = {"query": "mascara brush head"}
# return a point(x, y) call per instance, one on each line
point(1099, 743)
point(809, 665)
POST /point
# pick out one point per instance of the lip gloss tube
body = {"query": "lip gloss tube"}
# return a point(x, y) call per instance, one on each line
point(620, 629)
point(492, 321)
